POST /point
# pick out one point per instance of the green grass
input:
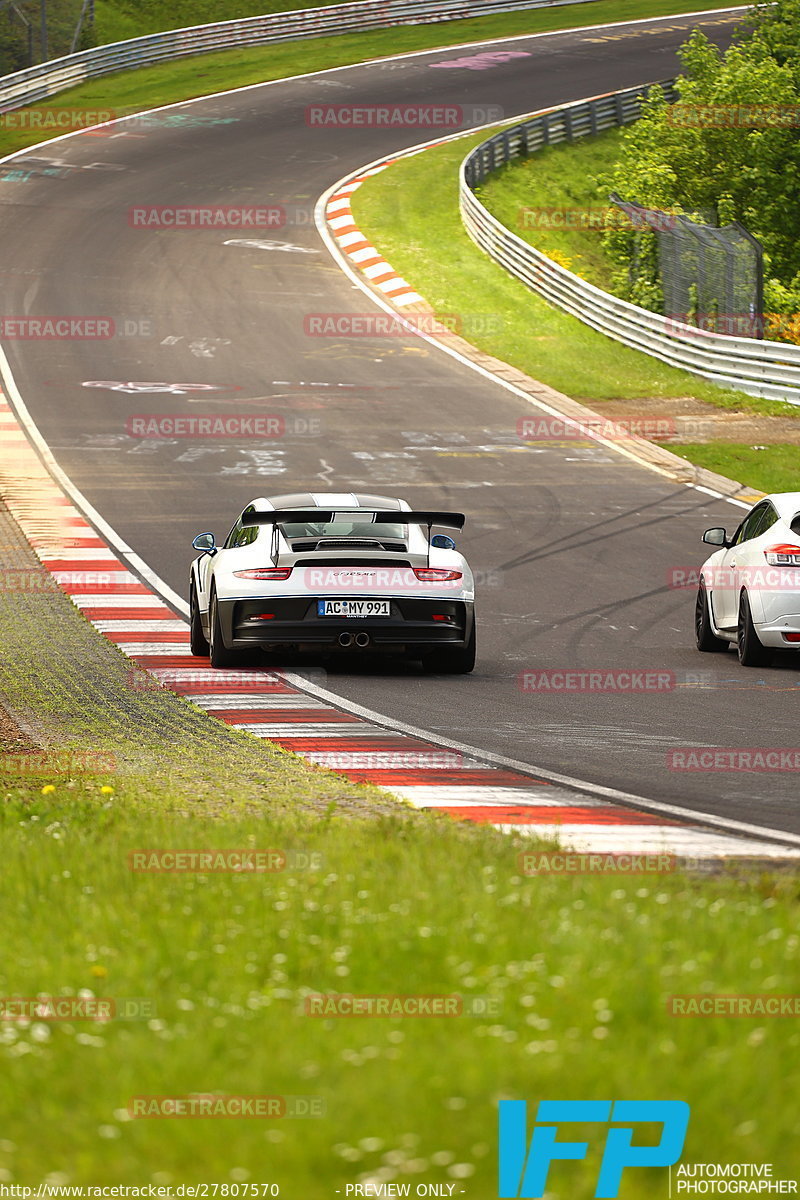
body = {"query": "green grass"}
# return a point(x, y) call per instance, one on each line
point(204, 74)
point(580, 970)
point(410, 211)
point(772, 468)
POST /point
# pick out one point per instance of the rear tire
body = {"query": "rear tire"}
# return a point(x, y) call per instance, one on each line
point(453, 661)
point(198, 643)
point(219, 654)
point(705, 637)
point(751, 652)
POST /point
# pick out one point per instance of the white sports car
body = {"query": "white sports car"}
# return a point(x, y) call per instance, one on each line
point(749, 589)
point(334, 572)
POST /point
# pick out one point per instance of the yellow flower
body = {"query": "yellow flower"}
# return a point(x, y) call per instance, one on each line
point(106, 790)
point(99, 971)
point(48, 788)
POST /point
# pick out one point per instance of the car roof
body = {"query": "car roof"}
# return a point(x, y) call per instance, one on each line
point(330, 500)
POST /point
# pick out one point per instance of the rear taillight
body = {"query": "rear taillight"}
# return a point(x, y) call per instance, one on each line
point(783, 556)
point(264, 573)
point(439, 575)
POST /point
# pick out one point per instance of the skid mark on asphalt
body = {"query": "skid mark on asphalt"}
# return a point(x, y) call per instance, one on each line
point(128, 613)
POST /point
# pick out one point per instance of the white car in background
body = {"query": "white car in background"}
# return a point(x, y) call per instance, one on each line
point(749, 588)
point(334, 573)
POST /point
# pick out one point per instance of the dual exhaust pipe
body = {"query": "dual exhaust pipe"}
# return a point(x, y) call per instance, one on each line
point(361, 640)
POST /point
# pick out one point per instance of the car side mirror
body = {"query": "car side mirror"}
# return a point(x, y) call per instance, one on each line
point(442, 542)
point(716, 536)
point(205, 543)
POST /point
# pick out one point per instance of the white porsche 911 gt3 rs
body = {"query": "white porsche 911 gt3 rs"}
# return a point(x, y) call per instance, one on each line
point(334, 572)
point(749, 588)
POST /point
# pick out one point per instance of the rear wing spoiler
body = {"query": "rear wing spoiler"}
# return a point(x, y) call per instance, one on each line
point(399, 516)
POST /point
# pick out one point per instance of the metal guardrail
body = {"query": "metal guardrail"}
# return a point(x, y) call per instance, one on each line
point(761, 368)
point(47, 79)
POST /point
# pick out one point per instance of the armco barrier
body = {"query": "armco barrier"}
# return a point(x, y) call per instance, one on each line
point(762, 368)
point(37, 83)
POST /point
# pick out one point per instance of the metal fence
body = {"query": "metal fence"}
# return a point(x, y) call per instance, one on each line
point(761, 368)
point(47, 79)
point(710, 276)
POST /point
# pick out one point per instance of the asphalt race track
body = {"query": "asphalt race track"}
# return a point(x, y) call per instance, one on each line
point(573, 546)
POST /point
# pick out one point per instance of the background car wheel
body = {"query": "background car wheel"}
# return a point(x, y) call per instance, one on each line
point(705, 637)
point(452, 662)
point(751, 652)
point(219, 654)
point(197, 639)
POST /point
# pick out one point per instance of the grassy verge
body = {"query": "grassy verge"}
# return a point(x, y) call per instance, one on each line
point(201, 75)
point(578, 972)
point(772, 468)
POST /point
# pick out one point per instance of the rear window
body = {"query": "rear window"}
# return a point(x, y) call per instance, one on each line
point(344, 524)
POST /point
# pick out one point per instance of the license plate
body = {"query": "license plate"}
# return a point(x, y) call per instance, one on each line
point(354, 608)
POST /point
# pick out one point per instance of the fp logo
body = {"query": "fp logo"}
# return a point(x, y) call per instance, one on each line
point(523, 1173)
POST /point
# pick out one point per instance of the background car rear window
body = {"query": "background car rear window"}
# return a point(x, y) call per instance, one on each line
point(755, 523)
